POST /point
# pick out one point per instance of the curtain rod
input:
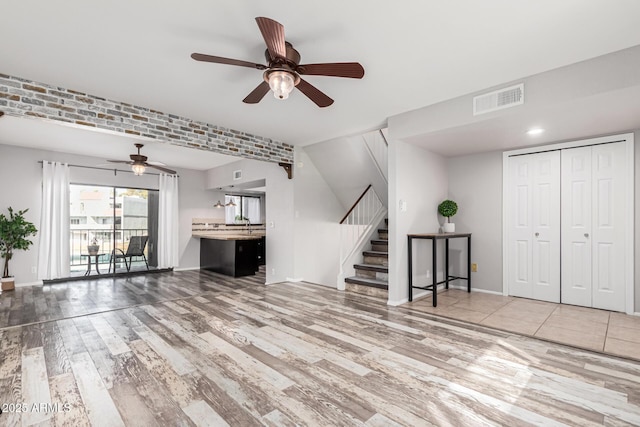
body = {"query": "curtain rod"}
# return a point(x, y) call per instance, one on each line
point(115, 171)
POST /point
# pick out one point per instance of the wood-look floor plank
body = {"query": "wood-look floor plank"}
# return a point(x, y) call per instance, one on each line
point(109, 336)
point(203, 415)
point(101, 410)
point(175, 359)
point(132, 407)
point(56, 358)
point(35, 386)
point(146, 390)
point(70, 410)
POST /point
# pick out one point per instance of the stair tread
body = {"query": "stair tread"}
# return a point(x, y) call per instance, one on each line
point(372, 267)
point(367, 282)
point(376, 253)
point(379, 242)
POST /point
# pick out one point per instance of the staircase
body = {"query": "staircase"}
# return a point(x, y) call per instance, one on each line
point(372, 275)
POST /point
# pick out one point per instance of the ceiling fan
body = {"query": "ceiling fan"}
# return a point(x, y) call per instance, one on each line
point(139, 163)
point(283, 71)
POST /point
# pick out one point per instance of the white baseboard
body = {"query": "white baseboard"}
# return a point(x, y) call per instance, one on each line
point(186, 269)
point(289, 279)
point(25, 285)
point(399, 302)
point(484, 291)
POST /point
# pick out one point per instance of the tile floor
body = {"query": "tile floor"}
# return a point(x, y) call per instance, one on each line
point(598, 330)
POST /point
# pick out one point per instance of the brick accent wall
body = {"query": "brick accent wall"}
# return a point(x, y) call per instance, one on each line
point(20, 97)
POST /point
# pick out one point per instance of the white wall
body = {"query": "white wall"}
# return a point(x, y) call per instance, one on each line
point(21, 188)
point(419, 178)
point(195, 201)
point(279, 212)
point(475, 184)
point(348, 169)
point(317, 229)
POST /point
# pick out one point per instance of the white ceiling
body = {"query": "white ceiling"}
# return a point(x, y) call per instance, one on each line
point(415, 53)
point(43, 135)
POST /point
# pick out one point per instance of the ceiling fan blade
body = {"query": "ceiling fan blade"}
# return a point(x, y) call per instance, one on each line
point(273, 34)
point(314, 94)
point(126, 162)
point(169, 171)
point(337, 69)
point(257, 94)
point(221, 60)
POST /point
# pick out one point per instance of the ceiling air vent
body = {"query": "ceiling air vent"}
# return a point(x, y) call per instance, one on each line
point(498, 99)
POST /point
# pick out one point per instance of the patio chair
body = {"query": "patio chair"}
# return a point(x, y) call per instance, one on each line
point(135, 248)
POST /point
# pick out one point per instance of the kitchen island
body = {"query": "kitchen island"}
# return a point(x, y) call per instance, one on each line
point(234, 255)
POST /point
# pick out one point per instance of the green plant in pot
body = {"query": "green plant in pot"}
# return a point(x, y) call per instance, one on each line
point(447, 209)
point(15, 231)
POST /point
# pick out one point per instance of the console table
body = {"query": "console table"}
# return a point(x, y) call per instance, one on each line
point(434, 237)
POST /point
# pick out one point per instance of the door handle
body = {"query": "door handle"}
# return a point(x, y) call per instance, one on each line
point(537, 234)
point(586, 235)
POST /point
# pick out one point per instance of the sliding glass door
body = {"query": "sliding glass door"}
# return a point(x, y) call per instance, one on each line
point(112, 226)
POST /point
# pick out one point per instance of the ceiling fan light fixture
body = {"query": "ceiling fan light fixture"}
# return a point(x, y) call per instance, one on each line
point(281, 83)
point(138, 169)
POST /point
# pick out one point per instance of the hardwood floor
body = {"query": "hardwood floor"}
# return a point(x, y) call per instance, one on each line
point(195, 348)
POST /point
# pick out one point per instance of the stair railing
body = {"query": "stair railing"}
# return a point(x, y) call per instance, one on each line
point(378, 149)
point(357, 226)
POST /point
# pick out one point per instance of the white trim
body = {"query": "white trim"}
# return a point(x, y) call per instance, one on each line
point(399, 302)
point(505, 224)
point(483, 291)
point(186, 269)
point(628, 139)
point(25, 285)
point(630, 243)
point(289, 279)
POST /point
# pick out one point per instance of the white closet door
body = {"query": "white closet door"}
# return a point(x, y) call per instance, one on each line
point(521, 229)
point(546, 227)
point(593, 226)
point(534, 250)
point(610, 205)
point(576, 226)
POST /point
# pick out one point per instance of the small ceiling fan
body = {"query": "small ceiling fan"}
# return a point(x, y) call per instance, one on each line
point(283, 71)
point(139, 163)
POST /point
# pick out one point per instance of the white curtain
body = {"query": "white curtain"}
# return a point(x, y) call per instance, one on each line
point(168, 247)
point(53, 253)
point(252, 209)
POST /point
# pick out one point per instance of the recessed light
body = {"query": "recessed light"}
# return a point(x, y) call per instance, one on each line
point(535, 131)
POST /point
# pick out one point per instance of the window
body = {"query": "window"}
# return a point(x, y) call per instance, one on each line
point(111, 216)
point(247, 208)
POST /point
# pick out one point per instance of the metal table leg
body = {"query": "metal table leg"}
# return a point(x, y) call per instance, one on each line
point(410, 269)
point(435, 271)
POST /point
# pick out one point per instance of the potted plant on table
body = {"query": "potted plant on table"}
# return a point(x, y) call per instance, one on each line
point(15, 231)
point(447, 209)
point(93, 247)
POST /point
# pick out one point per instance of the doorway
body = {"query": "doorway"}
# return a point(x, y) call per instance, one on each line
point(106, 221)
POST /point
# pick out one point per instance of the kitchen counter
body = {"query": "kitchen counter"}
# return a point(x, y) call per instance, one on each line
point(252, 236)
point(235, 255)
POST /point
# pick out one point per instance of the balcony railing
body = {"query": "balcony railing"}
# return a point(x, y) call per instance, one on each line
point(107, 240)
